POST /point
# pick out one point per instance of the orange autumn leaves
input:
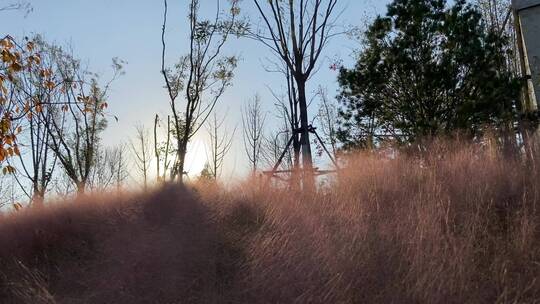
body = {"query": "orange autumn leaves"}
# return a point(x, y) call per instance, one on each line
point(33, 82)
point(11, 63)
point(14, 60)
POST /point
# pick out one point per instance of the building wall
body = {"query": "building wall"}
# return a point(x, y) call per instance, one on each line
point(521, 4)
point(529, 14)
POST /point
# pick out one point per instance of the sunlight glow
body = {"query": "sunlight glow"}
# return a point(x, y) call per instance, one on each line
point(196, 158)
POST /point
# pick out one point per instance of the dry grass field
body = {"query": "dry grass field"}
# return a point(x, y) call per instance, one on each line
point(457, 226)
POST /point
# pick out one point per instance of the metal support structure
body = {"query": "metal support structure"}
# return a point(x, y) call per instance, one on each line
point(274, 173)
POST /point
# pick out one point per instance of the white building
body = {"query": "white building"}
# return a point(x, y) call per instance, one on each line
point(528, 17)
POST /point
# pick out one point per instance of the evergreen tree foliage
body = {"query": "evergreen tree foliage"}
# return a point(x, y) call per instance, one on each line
point(428, 68)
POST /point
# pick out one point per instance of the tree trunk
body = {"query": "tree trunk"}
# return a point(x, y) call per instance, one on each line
point(181, 161)
point(81, 187)
point(307, 161)
point(37, 197)
point(156, 150)
point(296, 148)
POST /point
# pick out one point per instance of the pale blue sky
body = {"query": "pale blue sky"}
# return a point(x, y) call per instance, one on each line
point(98, 30)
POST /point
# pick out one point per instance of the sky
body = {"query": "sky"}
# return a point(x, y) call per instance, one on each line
point(98, 30)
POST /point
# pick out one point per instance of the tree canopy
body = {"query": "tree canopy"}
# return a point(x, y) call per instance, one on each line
point(428, 68)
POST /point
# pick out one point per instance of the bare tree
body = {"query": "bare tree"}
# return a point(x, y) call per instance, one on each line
point(275, 143)
point(162, 149)
point(109, 169)
point(157, 152)
point(78, 108)
point(64, 113)
point(17, 5)
point(253, 120)
point(142, 151)
point(288, 111)
point(9, 192)
point(499, 17)
point(497, 14)
point(37, 162)
point(4, 190)
point(220, 145)
point(17, 62)
point(118, 164)
point(63, 185)
point(201, 76)
point(297, 32)
point(328, 120)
